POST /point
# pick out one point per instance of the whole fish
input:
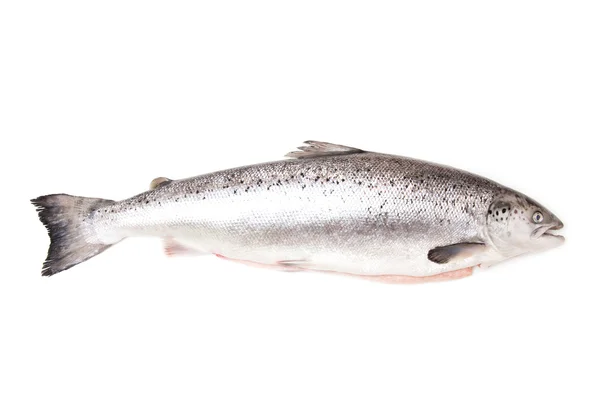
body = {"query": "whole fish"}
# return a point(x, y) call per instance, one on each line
point(328, 208)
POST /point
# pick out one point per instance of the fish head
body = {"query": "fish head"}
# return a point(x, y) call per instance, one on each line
point(517, 224)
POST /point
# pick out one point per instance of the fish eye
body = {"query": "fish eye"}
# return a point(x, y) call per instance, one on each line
point(537, 217)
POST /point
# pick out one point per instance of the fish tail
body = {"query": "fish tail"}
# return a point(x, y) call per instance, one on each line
point(72, 240)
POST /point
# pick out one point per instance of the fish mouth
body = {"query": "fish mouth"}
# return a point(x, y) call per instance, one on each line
point(548, 231)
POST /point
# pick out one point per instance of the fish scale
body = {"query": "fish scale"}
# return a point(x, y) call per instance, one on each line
point(330, 208)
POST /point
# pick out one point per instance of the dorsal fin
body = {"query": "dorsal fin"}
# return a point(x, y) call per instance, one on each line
point(158, 182)
point(322, 149)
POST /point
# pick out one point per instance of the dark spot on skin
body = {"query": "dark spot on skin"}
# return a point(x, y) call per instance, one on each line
point(503, 210)
point(235, 191)
point(303, 187)
point(501, 219)
point(516, 212)
point(197, 191)
point(497, 213)
point(147, 202)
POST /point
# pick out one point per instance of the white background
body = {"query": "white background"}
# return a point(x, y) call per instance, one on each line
point(98, 98)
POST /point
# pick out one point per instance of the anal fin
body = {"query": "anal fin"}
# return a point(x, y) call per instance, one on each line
point(174, 248)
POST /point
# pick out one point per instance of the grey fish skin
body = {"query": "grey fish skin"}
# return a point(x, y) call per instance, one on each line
point(330, 208)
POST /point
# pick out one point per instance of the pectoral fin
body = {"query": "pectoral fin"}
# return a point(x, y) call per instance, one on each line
point(455, 252)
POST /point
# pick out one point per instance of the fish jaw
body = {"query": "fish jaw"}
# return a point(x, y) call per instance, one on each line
point(546, 238)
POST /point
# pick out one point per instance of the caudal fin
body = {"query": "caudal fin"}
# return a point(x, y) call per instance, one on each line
point(67, 219)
